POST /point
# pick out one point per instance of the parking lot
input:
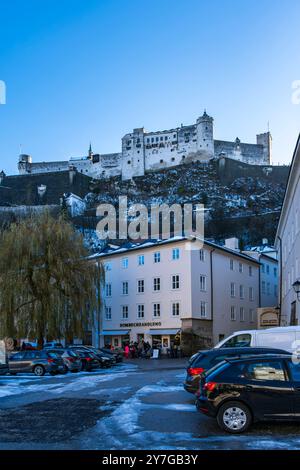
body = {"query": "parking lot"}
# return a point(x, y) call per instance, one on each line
point(139, 404)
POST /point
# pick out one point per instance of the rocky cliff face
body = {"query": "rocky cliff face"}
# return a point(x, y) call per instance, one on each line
point(240, 200)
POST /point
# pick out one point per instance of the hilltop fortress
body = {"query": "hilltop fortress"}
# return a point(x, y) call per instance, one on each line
point(144, 151)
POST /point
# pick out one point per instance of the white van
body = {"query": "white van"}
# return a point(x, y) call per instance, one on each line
point(284, 337)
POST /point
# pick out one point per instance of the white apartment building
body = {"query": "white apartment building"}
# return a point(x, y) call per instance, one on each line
point(269, 278)
point(155, 290)
point(288, 244)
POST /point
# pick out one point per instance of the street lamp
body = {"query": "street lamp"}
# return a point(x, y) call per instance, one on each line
point(296, 287)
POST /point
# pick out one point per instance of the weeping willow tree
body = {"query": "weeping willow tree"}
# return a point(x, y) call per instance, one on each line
point(48, 287)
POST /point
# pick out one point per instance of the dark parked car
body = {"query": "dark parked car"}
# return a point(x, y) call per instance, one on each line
point(103, 360)
point(238, 392)
point(89, 360)
point(119, 355)
point(53, 344)
point(71, 359)
point(205, 360)
point(38, 362)
point(101, 352)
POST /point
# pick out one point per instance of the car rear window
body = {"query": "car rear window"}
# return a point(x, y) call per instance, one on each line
point(295, 370)
point(195, 358)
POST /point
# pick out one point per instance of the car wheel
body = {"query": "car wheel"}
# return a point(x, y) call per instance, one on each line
point(39, 371)
point(234, 417)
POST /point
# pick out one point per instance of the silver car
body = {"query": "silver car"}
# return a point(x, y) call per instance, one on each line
point(37, 362)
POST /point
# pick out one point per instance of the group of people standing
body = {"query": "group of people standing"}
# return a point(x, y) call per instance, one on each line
point(141, 349)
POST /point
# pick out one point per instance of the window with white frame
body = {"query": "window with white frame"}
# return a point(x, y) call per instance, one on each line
point(175, 253)
point(242, 314)
point(251, 315)
point(240, 267)
point(202, 282)
point(156, 284)
point(124, 263)
point(141, 260)
point(107, 266)
point(108, 289)
point(125, 287)
point(141, 286)
point(125, 312)
point(251, 293)
point(175, 309)
point(156, 257)
point(156, 310)
point(233, 313)
point(242, 292)
point(231, 265)
point(232, 289)
point(202, 255)
point(107, 313)
point(203, 309)
point(175, 281)
point(141, 310)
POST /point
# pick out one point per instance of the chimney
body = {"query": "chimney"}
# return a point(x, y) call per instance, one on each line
point(232, 243)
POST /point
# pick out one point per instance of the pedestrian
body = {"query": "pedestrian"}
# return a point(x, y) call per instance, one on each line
point(126, 350)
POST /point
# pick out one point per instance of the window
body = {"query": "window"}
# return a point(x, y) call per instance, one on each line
point(108, 289)
point(125, 312)
point(242, 314)
point(275, 272)
point(141, 260)
point(157, 257)
point(202, 255)
point(263, 287)
point(275, 291)
point(202, 283)
point(233, 313)
point(268, 288)
point(175, 253)
point(268, 269)
point(141, 286)
point(203, 309)
point(231, 265)
point(156, 284)
point(251, 315)
point(270, 370)
point(242, 292)
point(250, 271)
point(251, 293)
point(125, 287)
point(295, 370)
point(240, 267)
point(263, 268)
point(141, 311)
point(107, 313)
point(125, 263)
point(175, 282)
point(156, 310)
point(232, 289)
point(107, 266)
point(238, 341)
point(175, 309)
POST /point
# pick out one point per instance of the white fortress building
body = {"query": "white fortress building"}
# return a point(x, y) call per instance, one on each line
point(144, 151)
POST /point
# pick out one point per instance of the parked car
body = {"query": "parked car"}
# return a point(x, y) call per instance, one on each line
point(88, 360)
point(52, 345)
point(101, 352)
point(205, 360)
point(71, 359)
point(3, 359)
point(38, 362)
point(103, 360)
point(28, 346)
point(284, 337)
point(119, 355)
point(238, 392)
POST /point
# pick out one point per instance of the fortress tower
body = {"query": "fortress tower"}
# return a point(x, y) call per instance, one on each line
point(24, 165)
point(205, 135)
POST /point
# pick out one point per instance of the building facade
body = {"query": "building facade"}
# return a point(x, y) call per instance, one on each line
point(155, 291)
point(144, 151)
point(288, 245)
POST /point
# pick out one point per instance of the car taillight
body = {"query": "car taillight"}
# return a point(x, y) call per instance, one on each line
point(71, 359)
point(88, 358)
point(195, 370)
point(50, 360)
point(210, 386)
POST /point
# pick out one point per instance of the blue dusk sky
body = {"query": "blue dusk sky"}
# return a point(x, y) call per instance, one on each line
point(91, 70)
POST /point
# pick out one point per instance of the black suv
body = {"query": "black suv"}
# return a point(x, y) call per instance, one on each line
point(205, 360)
point(240, 391)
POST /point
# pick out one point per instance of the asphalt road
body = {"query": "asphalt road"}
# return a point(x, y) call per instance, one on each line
point(136, 405)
